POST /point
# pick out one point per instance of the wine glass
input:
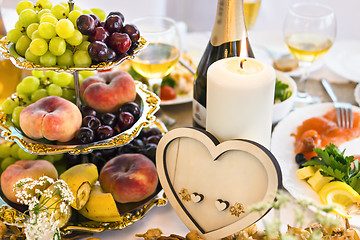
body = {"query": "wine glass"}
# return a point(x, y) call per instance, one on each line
point(309, 32)
point(251, 10)
point(163, 51)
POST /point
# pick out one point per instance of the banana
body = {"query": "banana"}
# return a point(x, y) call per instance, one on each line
point(53, 206)
point(80, 178)
point(101, 206)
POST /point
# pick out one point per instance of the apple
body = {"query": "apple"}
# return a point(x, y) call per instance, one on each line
point(106, 92)
point(53, 118)
point(25, 169)
point(129, 178)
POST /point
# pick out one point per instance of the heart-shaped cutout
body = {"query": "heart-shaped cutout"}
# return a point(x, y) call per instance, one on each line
point(196, 197)
point(193, 161)
point(221, 205)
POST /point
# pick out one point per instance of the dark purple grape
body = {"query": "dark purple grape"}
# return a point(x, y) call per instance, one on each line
point(153, 132)
point(97, 158)
point(111, 55)
point(119, 42)
point(150, 151)
point(118, 14)
point(86, 110)
point(102, 23)
point(138, 143)
point(109, 152)
point(72, 160)
point(142, 134)
point(114, 23)
point(99, 34)
point(128, 148)
point(104, 132)
point(108, 119)
point(85, 135)
point(125, 120)
point(91, 122)
point(132, 108)
point(132, 31)
point(85, 24)
point(98, 51)
point(96, 19)
point(153, 139)
point(133, 46)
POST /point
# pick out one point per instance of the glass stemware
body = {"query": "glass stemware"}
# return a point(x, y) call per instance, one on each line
point(251, 11)
point(163, 52)
point(309, 32)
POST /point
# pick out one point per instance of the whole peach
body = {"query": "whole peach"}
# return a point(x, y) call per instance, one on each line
point(25, 169)
point(129, 177)
point(106, 92)
point(53, 118)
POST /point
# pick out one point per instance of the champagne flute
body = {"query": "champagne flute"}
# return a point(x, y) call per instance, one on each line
point(163, 51)
point(251, 11)
point(309, 31)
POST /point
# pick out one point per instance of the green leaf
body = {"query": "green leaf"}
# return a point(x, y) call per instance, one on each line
point(355, 184)
point(281, 92)
point(168, 81)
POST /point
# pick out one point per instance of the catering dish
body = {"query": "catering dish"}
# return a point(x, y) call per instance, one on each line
point(20, 62)
point(343, 59)
point(149, 103)
point(129, 213)
point(180, 81)
point(282, 108)
point(282, 146)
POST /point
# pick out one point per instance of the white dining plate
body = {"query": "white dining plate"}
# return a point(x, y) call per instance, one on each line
point(178, 100)
point(282, 146)
point(344, 59)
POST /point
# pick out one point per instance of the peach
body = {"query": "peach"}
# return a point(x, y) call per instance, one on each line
point(25, 169)
point(129, 178)
point(53, 118)
point(106, 92)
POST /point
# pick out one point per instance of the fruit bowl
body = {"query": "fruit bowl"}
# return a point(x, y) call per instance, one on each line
point(148, 101)
point(7, 50)
point(13, 214)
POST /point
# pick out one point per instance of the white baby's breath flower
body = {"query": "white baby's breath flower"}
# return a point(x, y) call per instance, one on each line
point(42, 224)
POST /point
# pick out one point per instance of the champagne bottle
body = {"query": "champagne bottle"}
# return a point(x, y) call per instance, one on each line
point(225, 41)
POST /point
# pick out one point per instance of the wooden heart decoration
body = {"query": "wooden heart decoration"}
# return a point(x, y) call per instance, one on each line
point(210, 185)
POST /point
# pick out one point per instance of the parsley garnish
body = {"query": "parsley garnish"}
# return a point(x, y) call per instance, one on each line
point(334, 164)
point(281, 92)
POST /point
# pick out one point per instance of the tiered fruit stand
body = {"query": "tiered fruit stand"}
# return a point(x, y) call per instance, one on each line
point(11, 213)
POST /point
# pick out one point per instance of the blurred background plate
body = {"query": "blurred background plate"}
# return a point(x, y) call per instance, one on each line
point(344, 59)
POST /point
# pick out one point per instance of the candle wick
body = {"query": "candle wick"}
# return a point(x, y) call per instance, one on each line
point(242, 63)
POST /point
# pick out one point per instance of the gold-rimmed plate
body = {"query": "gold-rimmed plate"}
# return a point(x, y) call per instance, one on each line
point(7, 50)
point(148, 101)
point(12, 213)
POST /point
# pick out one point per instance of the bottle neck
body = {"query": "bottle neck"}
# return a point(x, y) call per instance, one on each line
point(229, 23)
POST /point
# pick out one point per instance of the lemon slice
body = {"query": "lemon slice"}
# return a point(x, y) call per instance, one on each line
point(341, 195)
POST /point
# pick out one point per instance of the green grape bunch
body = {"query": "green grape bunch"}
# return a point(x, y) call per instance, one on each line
point(11, 152)
point(39, 85)
point(47, 35)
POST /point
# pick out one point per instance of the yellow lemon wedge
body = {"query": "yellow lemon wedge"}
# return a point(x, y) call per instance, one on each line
point(341, 195)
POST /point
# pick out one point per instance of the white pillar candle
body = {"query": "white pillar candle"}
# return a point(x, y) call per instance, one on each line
point(240, 100)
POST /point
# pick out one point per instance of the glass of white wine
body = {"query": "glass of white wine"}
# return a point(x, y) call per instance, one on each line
point(163, 51)
point(309, 31)
point(251, 11)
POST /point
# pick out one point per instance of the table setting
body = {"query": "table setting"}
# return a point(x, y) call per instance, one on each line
point(136, 128)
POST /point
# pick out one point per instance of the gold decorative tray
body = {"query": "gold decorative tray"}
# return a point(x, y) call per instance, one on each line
point(149, 103)
point(7, 50)
point(12, 214)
